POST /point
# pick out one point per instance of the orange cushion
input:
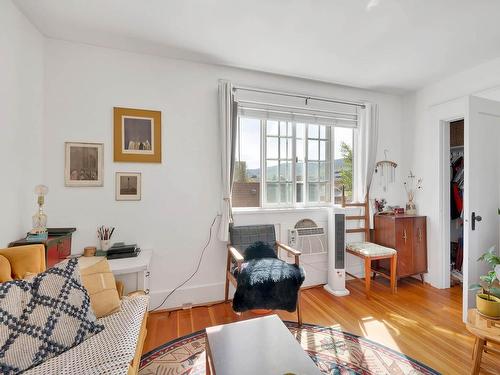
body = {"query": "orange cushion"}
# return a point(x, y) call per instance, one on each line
point(5, 270)
point(24, 259)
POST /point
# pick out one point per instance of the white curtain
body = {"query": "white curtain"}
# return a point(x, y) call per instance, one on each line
point(228, 112)
point(365, 152)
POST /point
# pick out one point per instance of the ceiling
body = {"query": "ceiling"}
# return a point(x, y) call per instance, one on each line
point(385, 45)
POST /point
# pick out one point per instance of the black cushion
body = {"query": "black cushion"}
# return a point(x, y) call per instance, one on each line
point(259, 250)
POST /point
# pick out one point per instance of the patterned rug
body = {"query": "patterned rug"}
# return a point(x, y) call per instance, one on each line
point(333, 351)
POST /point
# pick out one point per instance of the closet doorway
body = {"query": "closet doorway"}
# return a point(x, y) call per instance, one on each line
point(457, 182)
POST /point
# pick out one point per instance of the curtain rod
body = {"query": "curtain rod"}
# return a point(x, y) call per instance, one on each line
point(297, 108)
point(306, 97)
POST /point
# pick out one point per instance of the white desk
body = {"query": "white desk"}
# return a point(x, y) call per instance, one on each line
point(133, 272)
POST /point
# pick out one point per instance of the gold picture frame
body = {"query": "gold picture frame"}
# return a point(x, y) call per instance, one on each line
point(137, 135)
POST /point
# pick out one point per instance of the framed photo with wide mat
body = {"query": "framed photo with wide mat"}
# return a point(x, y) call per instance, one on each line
point(128, 186)
point(137, 135)
point(84, 164)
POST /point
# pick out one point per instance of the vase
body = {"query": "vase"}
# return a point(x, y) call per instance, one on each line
point(105, 245)
point(411, 208)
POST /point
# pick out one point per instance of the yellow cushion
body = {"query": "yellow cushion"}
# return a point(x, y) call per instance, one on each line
point(369, 249)
point(5, 270)
point(100, 283)
point(24, 259)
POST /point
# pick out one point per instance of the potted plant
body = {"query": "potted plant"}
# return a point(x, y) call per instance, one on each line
point(488, 301)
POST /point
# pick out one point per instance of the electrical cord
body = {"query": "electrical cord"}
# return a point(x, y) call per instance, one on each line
point(195, 271)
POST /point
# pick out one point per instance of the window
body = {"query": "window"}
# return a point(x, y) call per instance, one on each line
point(291, 164)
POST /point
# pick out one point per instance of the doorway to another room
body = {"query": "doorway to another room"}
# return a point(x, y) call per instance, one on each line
point(457, 176)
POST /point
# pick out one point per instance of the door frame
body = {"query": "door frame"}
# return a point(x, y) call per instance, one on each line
point(441, 116)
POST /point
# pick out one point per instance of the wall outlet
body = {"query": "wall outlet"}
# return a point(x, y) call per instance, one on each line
point(187, 306)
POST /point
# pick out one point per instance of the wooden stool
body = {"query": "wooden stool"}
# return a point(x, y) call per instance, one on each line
point(369, 252)
point(485, 330)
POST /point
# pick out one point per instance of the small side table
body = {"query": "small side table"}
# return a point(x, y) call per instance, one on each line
point(485, 330)
point(133, 272)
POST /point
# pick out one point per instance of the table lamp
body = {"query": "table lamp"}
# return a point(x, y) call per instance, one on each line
point(40, 218)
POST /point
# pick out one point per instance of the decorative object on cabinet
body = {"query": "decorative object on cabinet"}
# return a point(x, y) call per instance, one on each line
point(84, 164)
point(57, 245)
point(368, 251)
point(128, 186)
point(39, 219)
point(137, 135)
point(408, 235)
point(412, 185)
point(386, 170)
point(104, 235)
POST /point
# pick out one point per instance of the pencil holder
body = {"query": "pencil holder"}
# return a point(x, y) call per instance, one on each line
point(105, 244)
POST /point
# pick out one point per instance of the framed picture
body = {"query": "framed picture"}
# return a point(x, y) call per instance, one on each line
point(128, 186)
point(84, 164)
point(137, 135)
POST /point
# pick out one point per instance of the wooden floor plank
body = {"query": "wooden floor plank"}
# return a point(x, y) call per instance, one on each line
point(422, 322)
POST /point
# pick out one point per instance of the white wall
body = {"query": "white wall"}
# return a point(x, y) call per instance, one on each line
point(21, 115)
point(422, 141)
point(180, 197)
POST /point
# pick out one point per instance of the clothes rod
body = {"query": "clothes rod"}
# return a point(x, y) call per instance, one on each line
point(300, 114)
point(306, 97)
point(251, 102)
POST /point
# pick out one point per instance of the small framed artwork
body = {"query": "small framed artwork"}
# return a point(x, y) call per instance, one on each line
point(137, 135)
point(84, 164)
point(128, 186)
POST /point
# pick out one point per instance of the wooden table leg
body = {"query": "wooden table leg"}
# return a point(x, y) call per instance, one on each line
point(394, 278)
point(478, 353)
point(368, 267)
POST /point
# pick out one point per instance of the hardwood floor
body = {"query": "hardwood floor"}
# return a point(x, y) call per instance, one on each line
point(420, 321)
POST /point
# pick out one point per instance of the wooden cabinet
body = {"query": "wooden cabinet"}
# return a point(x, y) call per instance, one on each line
point(407, 234)
point(57, 245)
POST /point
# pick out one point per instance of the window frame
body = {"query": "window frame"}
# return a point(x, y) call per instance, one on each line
point(330, 152)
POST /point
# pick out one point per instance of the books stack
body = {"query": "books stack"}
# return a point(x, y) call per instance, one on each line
point(36, 237)
point(121, 250)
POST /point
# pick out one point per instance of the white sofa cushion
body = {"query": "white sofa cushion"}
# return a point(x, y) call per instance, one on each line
point(108, 352)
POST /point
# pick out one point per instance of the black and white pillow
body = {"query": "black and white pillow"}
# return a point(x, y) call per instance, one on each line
point(43, 317)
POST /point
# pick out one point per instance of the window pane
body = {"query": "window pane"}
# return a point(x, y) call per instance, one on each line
point(312, 150)
point(299, 150)
point(343, 151)
point(285, 193)
point(272, 171)
point(322, 192)
point(283, 129)
point(272, 193)
point(322, 131)
point(313, 192)
point(299, 171)
point(285, 171)
point(300, 192)
point(272, 148)
point(322, 150)
point(312, 171)
point(246, 188)
point(324, 172)
point(300, 130)
point(313, 131)
point(272, 127)
point(286, 148)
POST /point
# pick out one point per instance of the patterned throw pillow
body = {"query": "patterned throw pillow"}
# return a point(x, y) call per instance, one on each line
point(43, 317)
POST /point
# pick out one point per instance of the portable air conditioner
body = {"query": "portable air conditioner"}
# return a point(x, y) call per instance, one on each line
point(336, 253)
point(307, 237)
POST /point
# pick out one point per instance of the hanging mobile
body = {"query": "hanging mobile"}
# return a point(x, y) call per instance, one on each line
point(387, 170)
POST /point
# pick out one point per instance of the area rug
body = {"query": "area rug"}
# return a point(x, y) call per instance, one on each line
point(333, 351)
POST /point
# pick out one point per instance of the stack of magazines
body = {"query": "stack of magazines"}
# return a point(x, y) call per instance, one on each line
point(121, 250)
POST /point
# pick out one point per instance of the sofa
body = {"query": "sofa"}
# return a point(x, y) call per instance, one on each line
point(115, 350)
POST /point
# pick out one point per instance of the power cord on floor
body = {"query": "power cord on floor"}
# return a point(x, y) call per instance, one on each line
point(195, 271)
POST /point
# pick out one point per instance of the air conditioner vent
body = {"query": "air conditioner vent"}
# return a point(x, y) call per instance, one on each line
point(308, 237)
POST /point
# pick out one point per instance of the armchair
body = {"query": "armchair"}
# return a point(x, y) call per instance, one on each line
point(274, 273)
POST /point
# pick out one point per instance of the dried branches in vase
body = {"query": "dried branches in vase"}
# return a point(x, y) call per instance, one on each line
point(412, 185)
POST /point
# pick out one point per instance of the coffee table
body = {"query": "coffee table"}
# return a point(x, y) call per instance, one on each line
point(261, 346)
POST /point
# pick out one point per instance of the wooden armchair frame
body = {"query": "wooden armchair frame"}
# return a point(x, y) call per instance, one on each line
point(234, 254)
